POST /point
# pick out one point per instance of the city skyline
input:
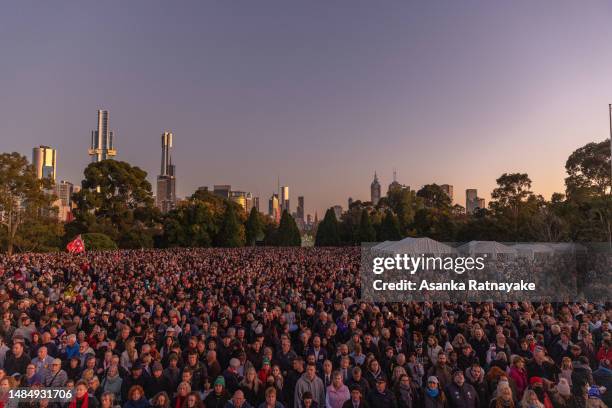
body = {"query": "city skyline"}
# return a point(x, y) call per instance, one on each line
point(322, 94)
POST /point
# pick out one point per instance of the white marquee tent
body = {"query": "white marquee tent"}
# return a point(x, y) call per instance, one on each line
point(531, 250)
point(418, 246)
point(487, 247)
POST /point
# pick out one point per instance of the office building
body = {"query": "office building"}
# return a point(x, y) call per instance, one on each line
point(64, 191)
point(375, 190)
point(166, 181)
point(448, 189)
point(472, 201)
point(44, 160)
point(243, 199)
point(222, 190)
point(284, 199)
point(274, 208)
point(256, 203)
point(102, 145)
point(300, 208)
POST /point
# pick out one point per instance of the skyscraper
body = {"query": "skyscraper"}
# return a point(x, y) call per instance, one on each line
point(166, 181)
point(284, 199)
point(481, 203)
point(44, 160)
point(167, 168)
point(274, 208)
point(375, 190)
point(300, 208)
point(471, 200)
point(256, 203)
point(102, 140)
point(448, 189)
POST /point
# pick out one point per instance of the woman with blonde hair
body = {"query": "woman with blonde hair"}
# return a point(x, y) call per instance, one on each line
point(398, 372)
point(530, 400)
point(433, 350)
point(566, 370)
point(252, 387)
point(504, 398)
point(129, 355)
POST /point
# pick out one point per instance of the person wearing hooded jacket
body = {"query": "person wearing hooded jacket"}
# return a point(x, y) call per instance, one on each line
point(311, 383)
point(474, 375)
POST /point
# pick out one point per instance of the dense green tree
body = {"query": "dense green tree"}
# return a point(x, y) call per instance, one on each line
point(366, 233)
point(23, 200)
point(327, 231)
point(98, 242)
point(404, 203)
point(433, 196)
point(254, 228)
point(435, 223)
point(589, 192)
point(231, 233)
point(287, 233)
point(40, 233)
point(192, 224)
point(514, 206)
point(389, 229)
point(116, 200)
point(588, 170)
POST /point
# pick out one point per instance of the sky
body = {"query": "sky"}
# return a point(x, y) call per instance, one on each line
point(320, 94)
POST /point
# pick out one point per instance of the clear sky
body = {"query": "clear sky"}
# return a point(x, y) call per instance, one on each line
point(320, 93)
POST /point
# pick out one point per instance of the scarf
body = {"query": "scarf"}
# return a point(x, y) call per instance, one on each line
point(433, 393)
point(405, 392)
point(84, 403)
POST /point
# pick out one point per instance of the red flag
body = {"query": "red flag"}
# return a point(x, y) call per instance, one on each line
point(76, 246)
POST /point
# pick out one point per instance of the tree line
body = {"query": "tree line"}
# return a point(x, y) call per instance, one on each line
point(115, 209)
point(515, 214)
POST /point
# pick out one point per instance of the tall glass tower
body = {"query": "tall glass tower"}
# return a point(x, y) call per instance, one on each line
point(102, 140)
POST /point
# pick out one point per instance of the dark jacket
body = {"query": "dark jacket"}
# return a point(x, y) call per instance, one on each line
point(376, 399)
point(213, 400)
point(349, 404)
point(462, 397)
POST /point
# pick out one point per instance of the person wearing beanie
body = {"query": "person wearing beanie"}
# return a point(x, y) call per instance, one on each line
point(560, 394)
point(219, 397)
point(266, 369)
point(434, 397)
point(590, 398)
point(460, 393)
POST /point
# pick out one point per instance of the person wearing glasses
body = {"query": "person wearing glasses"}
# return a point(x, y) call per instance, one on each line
point(56, 377)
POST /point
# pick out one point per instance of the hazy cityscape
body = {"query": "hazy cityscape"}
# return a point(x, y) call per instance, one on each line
point(45, 161)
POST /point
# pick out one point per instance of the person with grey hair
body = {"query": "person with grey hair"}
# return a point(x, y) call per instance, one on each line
point(56, 377)
point(232, 378)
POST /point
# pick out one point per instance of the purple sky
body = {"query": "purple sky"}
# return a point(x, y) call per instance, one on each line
point(320, 93)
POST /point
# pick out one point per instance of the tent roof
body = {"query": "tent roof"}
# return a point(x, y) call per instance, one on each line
point(486, 247)
point(534, 248)
point(419, 246)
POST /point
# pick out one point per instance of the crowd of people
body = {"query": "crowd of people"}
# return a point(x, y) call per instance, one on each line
point(280, 328)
